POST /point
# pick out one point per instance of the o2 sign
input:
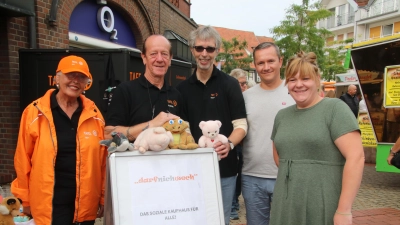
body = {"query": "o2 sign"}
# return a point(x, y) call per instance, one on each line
point(105, 20)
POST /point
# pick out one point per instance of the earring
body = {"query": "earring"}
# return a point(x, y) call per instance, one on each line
point(58, 86)
point(83, 92)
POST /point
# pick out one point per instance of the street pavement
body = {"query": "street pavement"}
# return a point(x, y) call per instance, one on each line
point(377, 201)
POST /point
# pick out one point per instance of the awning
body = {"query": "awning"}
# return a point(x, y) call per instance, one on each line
point(180, 47)
point(17, 8)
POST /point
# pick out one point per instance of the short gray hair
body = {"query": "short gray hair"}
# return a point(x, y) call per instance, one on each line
point(205, 33)
point(238, 73)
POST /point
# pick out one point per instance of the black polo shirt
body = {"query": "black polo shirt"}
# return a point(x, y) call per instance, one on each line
point(138, 101)
point(66, 129)
point(219, 99)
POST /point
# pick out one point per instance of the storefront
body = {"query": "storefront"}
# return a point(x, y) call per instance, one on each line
point(76, 24)
point(371, 61)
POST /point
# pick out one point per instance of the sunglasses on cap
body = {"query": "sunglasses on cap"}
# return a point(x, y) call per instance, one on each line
point(201, 49)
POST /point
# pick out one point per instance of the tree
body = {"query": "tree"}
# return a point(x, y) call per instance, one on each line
point(298, 32)
point(333, 63)
point(234, 55)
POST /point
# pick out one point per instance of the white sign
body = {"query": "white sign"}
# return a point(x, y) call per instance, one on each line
point(167, 192)
point(171, 187)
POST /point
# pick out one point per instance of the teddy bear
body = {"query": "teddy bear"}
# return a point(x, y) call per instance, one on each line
point(9, 208)
point(153, 138)
point(118, 143)
point(210, 130)
point(181, 139)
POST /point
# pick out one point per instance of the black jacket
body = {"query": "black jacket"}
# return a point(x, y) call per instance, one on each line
point(352, 102)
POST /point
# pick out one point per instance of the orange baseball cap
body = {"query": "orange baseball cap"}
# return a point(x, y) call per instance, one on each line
point(73, 63)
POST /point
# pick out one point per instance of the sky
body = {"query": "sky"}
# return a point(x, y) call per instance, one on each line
point(258, 16)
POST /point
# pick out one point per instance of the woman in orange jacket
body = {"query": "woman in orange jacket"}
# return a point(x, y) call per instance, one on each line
point(59, 162)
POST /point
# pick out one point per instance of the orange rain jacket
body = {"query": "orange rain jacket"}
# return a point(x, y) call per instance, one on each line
point(35, 159)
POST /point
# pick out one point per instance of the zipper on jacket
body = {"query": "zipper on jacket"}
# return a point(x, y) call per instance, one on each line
point(78, 184)
point(54, 159)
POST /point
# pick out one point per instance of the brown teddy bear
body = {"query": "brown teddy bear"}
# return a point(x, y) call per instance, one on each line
point(182, 139)
point(9, 208)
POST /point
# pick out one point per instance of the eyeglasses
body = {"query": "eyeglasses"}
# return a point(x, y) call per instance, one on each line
point(201, 49)
point(243, 83)
point(80, 77)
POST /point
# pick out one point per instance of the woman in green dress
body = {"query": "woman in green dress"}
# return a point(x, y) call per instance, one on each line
point(318, 149)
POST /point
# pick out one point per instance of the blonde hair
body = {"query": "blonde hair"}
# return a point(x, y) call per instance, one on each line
point(305, 64)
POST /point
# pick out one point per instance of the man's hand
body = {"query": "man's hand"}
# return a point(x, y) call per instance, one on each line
point(222, 149)
point(100, 211)
point(389, 158)
point(161, 118)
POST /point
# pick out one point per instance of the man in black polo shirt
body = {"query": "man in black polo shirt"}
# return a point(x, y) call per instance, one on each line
point(147, 101)
point(210, 94)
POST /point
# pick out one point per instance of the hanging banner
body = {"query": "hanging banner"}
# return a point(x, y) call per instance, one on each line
point(391, 95)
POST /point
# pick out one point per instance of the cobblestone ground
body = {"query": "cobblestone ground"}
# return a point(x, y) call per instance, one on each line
point(379, 194)
point(378, 190)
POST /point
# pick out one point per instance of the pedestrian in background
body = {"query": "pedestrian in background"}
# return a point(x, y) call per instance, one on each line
point(241, 76)
point(262, 102)
point(351, 99)
point(59, 162)
point(210, 94)
point(250, 84)
point(318, 148)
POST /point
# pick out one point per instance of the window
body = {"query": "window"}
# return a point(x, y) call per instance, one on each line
point(387, 30)
point(375, 32)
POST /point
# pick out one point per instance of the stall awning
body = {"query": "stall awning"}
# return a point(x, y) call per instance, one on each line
point(180, 46)
point(17, 8)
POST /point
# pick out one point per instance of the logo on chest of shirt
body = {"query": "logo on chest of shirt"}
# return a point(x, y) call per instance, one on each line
point(172, 103)
point(88, 133)
point(214, 95)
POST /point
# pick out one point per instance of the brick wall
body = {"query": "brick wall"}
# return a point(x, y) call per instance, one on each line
point(144, 16)
point(13, 36)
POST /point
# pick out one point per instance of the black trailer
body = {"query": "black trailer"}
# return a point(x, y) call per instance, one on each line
point(37, 69)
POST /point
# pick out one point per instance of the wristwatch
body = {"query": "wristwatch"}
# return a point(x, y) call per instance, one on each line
point(392, 152)
point(231, 144)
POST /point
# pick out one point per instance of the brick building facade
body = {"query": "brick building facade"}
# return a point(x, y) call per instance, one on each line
point(49, 29)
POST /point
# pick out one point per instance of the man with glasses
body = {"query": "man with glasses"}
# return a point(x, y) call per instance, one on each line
point(210, 94)
point(147, 101)
point(259, 169)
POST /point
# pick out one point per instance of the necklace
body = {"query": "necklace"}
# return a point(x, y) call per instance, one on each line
point(153, 107)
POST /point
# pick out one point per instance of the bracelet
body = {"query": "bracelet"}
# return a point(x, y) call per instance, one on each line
point(127, 133)
point(345, 214)
point(392, 152)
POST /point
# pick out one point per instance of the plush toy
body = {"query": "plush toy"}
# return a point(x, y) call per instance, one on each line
point(210, 130)
point(118, 143)
point(9, 208)
point(182, 139)
point(154, 138)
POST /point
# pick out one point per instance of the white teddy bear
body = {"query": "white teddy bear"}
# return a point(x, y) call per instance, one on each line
point(211, 135)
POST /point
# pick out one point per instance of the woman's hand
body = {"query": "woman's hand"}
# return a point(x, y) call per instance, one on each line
point(100, 212)
point(340, 219)
point(27, 211)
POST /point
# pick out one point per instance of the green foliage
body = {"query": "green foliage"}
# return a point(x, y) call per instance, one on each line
point(233, 56)
point(298, 32)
